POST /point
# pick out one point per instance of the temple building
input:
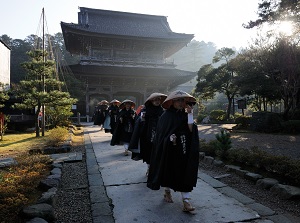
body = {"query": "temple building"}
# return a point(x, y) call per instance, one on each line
point(123, 55)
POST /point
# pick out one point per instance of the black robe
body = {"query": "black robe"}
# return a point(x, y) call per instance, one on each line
point(123, 131)
point(113, 111)
point(99, 114)
point(174, 166)
point(144, 131)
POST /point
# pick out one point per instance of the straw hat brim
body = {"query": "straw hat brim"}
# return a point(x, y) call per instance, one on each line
point(155, 95)
point(178, 94)
point(103, 102)
point(122, 105)
point(115, 101)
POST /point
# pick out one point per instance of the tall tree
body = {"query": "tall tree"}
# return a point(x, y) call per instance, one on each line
point(3, 94)
point(40, 86)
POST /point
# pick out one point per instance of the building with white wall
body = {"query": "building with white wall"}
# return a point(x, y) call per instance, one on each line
point(4, 63)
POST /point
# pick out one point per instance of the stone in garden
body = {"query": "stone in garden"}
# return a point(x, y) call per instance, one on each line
point(43, 210)
point(266, 183)
point(286, 191)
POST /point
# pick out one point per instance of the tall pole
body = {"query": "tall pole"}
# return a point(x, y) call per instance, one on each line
point(43, 76)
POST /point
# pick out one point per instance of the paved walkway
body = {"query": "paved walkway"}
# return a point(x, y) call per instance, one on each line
point(119, 194)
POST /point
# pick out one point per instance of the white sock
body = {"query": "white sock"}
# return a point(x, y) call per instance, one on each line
point(126, 146)
point(186, 196)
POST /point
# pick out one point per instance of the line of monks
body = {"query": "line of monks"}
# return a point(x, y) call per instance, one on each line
point(162, 133)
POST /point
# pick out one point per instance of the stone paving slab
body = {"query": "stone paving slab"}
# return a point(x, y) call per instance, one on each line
point(125, 183)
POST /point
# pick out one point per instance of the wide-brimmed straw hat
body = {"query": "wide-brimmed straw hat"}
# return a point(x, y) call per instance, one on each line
point(155, 95)
point(115, 101)
point(178, 94)
point(103, 102)
point(122, 105)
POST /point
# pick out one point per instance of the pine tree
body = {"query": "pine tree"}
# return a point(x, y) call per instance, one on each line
point(40, 87)
point(223, 143)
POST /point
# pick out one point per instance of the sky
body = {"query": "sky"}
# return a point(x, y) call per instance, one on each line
point(217, 21)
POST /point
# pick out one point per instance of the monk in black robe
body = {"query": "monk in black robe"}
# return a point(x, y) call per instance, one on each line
point(113, 111)
point(175, 154)
point(145, 128)
point(125, 124)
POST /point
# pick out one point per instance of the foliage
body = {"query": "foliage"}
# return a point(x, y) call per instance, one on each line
point(221, 79)
point(284, 167)
point(41, 87)
point(19, 49)
point(243, 121)
point(57, 135)
point(217, 116)
point(3, 94)
point(208, 148)
point(270, 11)
point(223, 143)
point(200, 117)
point(19, 183)
point(58, 116)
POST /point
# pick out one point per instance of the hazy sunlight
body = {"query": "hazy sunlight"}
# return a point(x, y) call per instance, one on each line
point(286, 28)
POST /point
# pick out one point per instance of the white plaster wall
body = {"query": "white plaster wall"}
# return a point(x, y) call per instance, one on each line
point(4, 64)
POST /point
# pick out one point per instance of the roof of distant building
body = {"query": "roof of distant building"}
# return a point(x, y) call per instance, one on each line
point(125, 24)
point(5, 44)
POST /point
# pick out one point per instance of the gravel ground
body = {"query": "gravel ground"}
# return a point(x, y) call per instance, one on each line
point(73, 198)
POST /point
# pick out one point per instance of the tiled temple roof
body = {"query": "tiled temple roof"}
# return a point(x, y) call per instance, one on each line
point(107, 22)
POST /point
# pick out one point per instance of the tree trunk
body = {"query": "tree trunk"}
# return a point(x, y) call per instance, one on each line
point(228, 107)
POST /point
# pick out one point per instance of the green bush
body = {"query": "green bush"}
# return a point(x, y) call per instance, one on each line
point(223, 143)
point(57, 135)
point(217, 116)
point(208, 148)
point(282, 166)
point(243, 121)
point(200, 117)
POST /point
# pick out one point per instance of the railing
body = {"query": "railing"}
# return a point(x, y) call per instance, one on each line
point(79, 119)
point(126, 61)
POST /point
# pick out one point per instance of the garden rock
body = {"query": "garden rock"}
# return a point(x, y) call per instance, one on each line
point(54, 150)
point(48, 183)
point(253, 176)
point(37, 220)
point(48, 197)
point(286, 191)
point(266, 183)
point(56, 171)
point(43, 210)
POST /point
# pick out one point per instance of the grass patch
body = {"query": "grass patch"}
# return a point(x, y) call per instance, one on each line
point(16, 143)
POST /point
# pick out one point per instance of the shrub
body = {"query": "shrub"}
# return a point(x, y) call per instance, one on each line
point(200, 117)
point(19, 183)
point(223, 143)
point(217, 115)
point(243, 121)
point(57, 135)
point(208, 148)
point(282, 166)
